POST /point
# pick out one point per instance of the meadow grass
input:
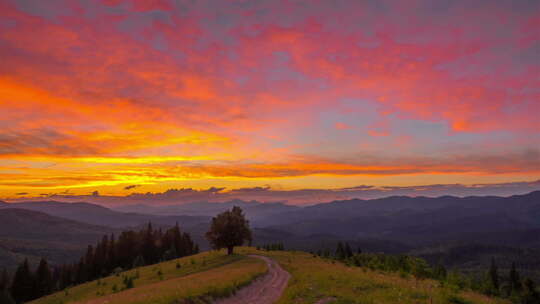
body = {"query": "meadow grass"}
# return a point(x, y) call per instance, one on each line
point(314, 278)
point(209, 275)
point(206, 275)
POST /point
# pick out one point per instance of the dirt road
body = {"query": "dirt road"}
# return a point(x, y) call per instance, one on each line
point(265, 290)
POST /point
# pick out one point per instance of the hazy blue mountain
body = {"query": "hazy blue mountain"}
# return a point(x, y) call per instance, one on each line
point(99, 215)
point(253, 209)
point(31, 234)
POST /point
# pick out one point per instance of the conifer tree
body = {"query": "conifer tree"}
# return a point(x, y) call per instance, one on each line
point(80, 272)
point(440, 271)
point(493, 277)
point(514, 280)
point(170, 254)
point(139, 261)
point(149, 251)
point(5, 294)
point(111, 254)
point(89, 263)
point(5, 297)
point(348, 250)
point(530, 295)
point(340, 251)
point(43, 279)
point(4, 280)
point(22, 287)
point(326, 252)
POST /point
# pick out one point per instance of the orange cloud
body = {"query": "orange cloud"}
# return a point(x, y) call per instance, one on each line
point(106, 96)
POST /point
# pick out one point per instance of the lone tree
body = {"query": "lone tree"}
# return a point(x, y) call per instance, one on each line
point(229, 229)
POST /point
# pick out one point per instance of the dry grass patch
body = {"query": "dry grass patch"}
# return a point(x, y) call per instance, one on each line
point(315, 278)
point(210, 273)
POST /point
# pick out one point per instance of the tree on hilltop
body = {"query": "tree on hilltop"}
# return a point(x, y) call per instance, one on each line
point(229, 229)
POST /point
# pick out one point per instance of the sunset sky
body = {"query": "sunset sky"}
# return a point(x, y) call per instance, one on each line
point(143, 96)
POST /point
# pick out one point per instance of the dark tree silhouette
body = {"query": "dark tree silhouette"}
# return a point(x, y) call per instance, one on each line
point(23, 284)
point(347, 250)
point(5, 297)
point(149, 249)
point(514, 280)
point(340, 251)
point(530, 294)
point(229, 229)
point(493, 277)
point(4, 280)
point(44, 282)
point(108, 255)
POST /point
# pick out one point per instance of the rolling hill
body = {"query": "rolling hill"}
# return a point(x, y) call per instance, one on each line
point(99, 215)
point(210, 275)
point(393, 225)
point(32, 234)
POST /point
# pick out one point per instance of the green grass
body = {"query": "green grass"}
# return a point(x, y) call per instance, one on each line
point(209, 274)
point(214, 274)
point(315, 278)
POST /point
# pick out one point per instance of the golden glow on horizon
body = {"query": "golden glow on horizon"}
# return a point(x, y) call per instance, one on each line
point(192, 102)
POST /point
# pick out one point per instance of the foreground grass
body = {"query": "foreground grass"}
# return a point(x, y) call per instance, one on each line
point(209, 274)
point(314, 278)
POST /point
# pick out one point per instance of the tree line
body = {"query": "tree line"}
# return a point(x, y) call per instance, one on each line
point(272, 247)
point(110, 255)
point(492, 283)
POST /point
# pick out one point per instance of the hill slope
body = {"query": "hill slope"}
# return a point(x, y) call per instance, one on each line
point(203, 275)
point(99, 215)
point(212, 274)
point(31, 234)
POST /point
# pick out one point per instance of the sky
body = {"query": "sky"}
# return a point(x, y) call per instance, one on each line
point(123, 98)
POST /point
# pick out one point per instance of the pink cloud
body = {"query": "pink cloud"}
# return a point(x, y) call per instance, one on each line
point(342, 126)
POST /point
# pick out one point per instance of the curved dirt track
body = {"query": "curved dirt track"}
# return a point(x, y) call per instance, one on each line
point(265, 290)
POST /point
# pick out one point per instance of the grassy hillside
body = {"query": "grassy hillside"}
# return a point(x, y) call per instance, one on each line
point(315, 278)
point(216, 274)
point(205, 274)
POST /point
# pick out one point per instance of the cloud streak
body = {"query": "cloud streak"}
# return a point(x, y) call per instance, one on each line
point(299, 196)
point(115, 93)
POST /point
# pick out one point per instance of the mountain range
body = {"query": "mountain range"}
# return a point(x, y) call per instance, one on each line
point(396, 224)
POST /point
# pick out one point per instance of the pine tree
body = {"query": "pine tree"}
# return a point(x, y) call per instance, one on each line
point(149, 251)
point(111, 254)
point(66, 276)
point(139, 261)
point(4, 280)
point(22, 288)
point(170, 254)
point(80, 272)
point(514, 280)
point(5, 297)
point(440, 271)
point(326, 252)
point(43, 279)
point(89, 263)
point(348, 251)
point(493, 277)
point(340, 251)
point(530, 295)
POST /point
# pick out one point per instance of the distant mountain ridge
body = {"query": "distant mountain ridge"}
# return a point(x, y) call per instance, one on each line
point(99, 215)
point(255, 210)
point(32, 234)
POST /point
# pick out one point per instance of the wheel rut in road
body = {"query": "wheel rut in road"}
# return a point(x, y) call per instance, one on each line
point(264, 290)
